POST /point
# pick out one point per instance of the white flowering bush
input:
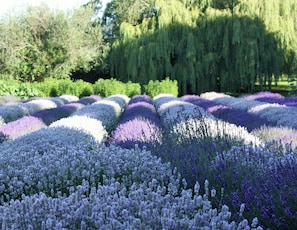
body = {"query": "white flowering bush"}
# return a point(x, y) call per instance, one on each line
point(189, 121)
point(107, 110)
point(172, 110)
point(83, 124)
point(68, 98)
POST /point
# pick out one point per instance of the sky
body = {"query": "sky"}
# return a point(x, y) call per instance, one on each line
point(10, 6)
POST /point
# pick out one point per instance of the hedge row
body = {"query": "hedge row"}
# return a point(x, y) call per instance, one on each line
point(102, 87)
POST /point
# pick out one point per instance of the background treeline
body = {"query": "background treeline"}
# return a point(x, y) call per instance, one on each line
point(206, 45)
point(38, 43)
point(210, 46)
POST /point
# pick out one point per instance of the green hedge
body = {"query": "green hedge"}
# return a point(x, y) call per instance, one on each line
point(103, 87)
point(108, 87)
point(153, 88)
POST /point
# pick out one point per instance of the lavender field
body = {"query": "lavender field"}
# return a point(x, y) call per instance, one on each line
point(193, 162)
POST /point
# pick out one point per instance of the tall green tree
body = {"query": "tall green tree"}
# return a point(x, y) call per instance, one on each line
point(130, 11)
point(209, 45)
point(40, 43)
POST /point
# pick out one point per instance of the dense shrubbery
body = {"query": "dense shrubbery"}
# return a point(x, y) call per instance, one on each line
point(51, 87)
point(108, 87)
point(153, 88)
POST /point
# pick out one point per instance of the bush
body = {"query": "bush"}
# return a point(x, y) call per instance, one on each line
point(108, 87)
point(154, 88)
point(83, 88)
point(15, 88)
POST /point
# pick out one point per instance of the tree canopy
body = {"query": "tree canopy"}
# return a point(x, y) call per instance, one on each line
point(40, 43)
point(220, 45)
point(207, 45)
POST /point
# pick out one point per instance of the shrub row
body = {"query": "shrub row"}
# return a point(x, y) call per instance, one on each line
point(103, 87)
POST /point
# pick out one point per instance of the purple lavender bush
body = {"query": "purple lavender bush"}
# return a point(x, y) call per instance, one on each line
point(262, 179)
point(89, 99)
point(20, 127)
point(15, 111)
point(36, 121)
point(139, 124)
point(275, 114)
point(226, 113)
point(192, 139)
point(87, 186)
point(266, 96)
point(48, 116)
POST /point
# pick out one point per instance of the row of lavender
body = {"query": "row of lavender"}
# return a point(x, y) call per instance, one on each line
point(23, 118)
point(63, 176)
point(175, 115)
point(273, 121)
point(202, 147)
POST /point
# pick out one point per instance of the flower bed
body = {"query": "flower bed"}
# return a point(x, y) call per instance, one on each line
point(279, 115)
point(139, 124)
point(227, 113)
point(15, 111)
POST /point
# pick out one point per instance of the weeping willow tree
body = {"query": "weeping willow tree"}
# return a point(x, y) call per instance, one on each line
point(206, 46)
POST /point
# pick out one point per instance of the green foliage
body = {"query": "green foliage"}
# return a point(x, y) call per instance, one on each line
point(83, 88)
point(19, 89)
point(211, 45)
point(153, 88)
point(131, 11)
point(39, 43)
point(108, 87)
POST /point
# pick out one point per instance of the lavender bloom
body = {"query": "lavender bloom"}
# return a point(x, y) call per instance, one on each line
point(281, 136)
point(83, 124)
point(107, 110)
point(69, 98)
point(262, 180)
point(275, 114)
point(38, 120)
point(89, 99)
point(141, 98)
point(173, 110)
point(226, 113)
point(20, 127)
point(290, 101)
point(223, 99)
point(190, 121)
point(191, 143)
point(13, 112)
point(266, 96)
point(101, 188)
point(50, 115)
point(139, 124)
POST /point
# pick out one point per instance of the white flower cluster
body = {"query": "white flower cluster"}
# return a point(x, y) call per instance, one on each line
point(69, 98)
point(90, 126)
point(173, 110)
point(107, 110)
point(190, 121)
point(280, 115)
point(15, 111)
point(2, 122)
point(103, 188)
